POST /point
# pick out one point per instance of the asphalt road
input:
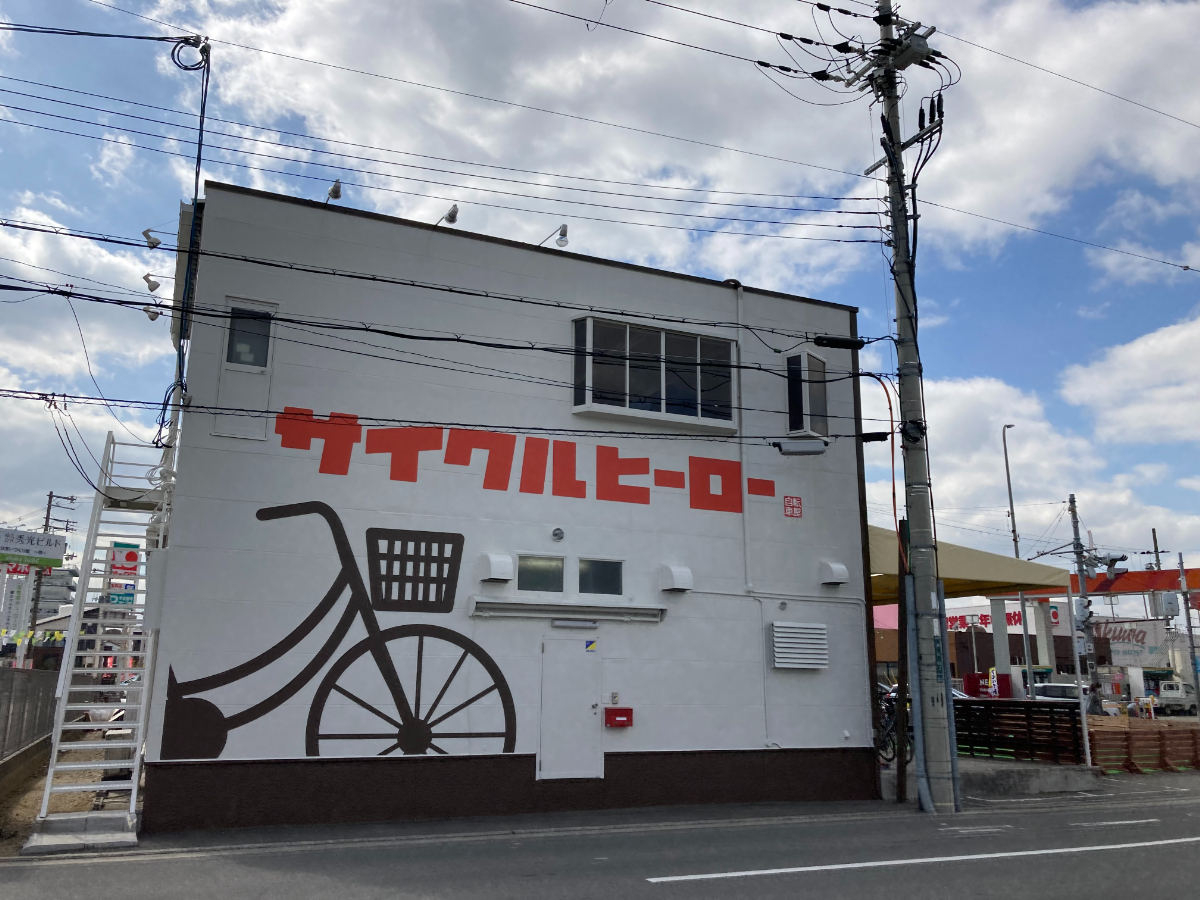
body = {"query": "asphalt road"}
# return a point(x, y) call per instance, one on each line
point(1124, 841)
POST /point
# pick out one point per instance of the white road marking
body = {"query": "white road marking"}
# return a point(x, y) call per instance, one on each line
point(887, 863)
point(1103, 824)
point(971, 830)
point(1042, 799)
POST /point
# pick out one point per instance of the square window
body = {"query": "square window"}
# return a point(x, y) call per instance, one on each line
point(249, 337)
point(540, 573)
point(599, 576)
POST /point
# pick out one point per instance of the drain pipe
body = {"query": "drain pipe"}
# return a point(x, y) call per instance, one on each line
point(924, 800)
point(941, 594)
point(747, 581)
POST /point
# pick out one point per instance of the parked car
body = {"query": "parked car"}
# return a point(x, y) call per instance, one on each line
point(1058, 691)
point(1177, 697)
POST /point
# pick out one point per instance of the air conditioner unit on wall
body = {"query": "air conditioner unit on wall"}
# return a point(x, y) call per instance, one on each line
point(799, 645)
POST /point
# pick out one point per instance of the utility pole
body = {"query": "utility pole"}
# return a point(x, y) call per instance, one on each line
point(1157, 557)
point(1012, 518)
point(37, 579)
point(1095, 707)
point(931, 674)
point(1187, 617)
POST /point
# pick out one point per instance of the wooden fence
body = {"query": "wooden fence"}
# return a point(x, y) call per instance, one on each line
point(1039, 730)
point(1143, 745)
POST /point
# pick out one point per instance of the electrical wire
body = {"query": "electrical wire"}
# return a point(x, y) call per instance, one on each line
point(1090, 87)
point(362, 328)
point(329, 140)
point(1063, 237)
point(344, 168)
point(55, 397)
point(254, 140)
point(515, 105)
point(654, 37)
point(567, 215)
point(92, 375)
point(423, 360)
point(409, 282)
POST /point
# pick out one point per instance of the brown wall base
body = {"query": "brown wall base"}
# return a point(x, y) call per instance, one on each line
point(16, 769)
point(182, 796)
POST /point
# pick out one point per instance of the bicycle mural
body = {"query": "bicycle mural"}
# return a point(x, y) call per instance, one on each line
point(369, 702)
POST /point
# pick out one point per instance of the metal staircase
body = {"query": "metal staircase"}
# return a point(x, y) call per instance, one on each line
point(91, 795)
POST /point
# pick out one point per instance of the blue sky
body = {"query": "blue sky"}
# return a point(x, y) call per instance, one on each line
point(1087, 351)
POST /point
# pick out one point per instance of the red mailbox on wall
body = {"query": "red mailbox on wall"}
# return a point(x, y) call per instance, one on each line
point(618, 717)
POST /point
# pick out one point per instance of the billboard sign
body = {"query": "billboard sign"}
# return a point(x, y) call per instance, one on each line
point(123, 561)
point(1139, 643)
point(31, 548)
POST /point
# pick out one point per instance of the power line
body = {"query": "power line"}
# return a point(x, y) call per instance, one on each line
point(592, 309)
point(1090, 87)
point(286, 324)
point(345, 168)
point(194, 407)
point(255, 140)
point(361, 328)
point(515, 105)
point(329, 140)
point(653, 37)
point(567, 215)
point(1061, 237)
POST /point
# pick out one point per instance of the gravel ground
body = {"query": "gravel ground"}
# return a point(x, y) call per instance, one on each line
point(19, 808)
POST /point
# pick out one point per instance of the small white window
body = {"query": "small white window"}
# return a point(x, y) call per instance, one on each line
point(600, 576)
point(249, 337)
point(247, 359)
point(540, 573)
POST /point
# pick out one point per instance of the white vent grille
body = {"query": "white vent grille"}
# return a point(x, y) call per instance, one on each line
point(799, 645)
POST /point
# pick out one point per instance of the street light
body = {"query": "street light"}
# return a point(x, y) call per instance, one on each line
point(1012, 515)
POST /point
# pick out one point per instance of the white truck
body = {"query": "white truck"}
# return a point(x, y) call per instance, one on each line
point(1177, 698)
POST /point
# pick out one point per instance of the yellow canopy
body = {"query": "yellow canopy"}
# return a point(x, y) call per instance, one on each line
point(965, 572)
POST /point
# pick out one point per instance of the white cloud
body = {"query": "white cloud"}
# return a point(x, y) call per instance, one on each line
point(1133, 209)
point(1138, 265)
point(39, 335)
point(1192, 483)
point(1144, 391)
point(1019, 143)
point(115, 159)
point(967, 464)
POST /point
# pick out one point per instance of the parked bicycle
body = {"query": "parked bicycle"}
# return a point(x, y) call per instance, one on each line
point(370, 700)
point(886, 737)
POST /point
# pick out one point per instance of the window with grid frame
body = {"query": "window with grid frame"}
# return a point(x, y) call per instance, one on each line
point(653, 370)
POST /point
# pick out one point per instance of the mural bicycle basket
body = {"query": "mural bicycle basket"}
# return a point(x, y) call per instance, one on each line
point(375, 698)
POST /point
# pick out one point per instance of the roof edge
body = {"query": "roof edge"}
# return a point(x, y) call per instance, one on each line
point(504, 242)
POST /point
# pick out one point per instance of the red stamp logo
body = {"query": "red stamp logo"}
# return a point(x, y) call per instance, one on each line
point(792, 508)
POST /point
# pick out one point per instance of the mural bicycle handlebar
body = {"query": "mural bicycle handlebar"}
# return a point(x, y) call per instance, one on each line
point(410, 571)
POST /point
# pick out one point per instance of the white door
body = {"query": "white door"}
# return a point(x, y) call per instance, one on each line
point(570, 719)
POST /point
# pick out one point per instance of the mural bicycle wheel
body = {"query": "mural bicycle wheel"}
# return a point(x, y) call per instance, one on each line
point(457, 699)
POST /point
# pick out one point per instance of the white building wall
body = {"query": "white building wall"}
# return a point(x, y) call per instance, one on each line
point(699, 679)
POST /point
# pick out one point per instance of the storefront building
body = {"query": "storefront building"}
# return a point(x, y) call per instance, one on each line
point(463, 526)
